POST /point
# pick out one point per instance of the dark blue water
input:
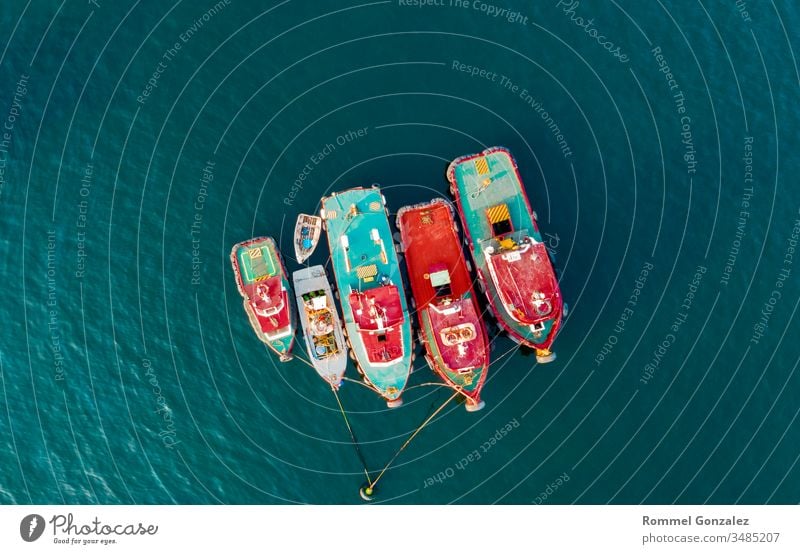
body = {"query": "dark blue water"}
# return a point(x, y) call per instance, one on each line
point(143, 139)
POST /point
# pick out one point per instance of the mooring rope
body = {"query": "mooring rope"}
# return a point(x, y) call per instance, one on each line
point(357, 382)
point(412, 387)
point(408, 441)
point(346, 421)
point(301, 359)
point(508, 352)
point(352, 435)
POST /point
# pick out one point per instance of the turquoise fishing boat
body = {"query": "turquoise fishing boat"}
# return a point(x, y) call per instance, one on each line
point(368, 279)
point(513, 264)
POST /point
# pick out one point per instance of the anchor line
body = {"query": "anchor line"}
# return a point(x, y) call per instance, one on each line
point(457, 388)
point(346, 422)
point(508, 352)
point(352, 436)
point(357, 382)
point(414, 434)
point(301, 359)
point(412, 387)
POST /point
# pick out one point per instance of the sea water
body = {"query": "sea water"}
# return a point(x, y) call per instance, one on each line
point(141, 140)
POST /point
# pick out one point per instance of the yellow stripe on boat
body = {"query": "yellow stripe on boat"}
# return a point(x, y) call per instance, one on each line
point(498, 213)
point(261, 264)
point(367, 272)
point(481, 165)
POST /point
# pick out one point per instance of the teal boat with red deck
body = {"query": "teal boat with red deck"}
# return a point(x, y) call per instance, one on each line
point(264, 286)
point(513, 263)
point(371, 291)
point(451, 327)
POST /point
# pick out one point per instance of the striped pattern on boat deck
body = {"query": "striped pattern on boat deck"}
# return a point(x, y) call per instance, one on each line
point(498, 213)
point(479, 196)
point(257, 265)
point(481, 165)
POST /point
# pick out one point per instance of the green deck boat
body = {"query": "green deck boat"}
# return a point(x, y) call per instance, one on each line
point(264, 286)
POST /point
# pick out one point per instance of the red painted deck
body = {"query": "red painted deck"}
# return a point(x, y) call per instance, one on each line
point(431, 244)
point(378, 314)
point(270, 303)
point(526, 283)
point(431, 240)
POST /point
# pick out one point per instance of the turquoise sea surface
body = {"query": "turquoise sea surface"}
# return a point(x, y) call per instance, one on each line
point(140, 140)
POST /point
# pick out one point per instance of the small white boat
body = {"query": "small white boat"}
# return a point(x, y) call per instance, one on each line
point(307, 231)
point(322, 327)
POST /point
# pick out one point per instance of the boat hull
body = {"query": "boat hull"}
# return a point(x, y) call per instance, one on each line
point(264, 287)
point(444, 298)
point(503, 237)
point(321, 325)
point(368, 279)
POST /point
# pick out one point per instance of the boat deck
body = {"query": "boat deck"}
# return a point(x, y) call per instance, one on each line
point(525, 282)
point(363, 255)
point(321, 326)
point(442, 287)
point(306, 235)
point(262, 284)
point(257, 263)
point(488, 182)
point(429, 235)
point(378, 314)
point(265, 291)
point(269, 300)
point(376, 309)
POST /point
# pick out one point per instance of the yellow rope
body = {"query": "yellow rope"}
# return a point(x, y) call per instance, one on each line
point(414, 434)
point(346, 422)
point(352, 435)
point(457, 388)
point(357, 382)
point(412, 387)
point(300, 358)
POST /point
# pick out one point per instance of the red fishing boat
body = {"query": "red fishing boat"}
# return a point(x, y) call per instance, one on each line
point(451, 327)
point(264, 286)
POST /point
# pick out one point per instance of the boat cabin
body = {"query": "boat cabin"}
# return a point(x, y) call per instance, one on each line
point(440, 280)
point(378, 314)
point(268, 298)
point(377, 309)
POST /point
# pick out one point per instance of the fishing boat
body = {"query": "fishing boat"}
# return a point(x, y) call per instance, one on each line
point(368, 278)
point(264, 286)
point(307, 231)
point(451, 327)
point(513, 264)
point(322, 328)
